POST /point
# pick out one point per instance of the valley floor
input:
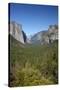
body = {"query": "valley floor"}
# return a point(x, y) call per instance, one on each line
point(32, 65)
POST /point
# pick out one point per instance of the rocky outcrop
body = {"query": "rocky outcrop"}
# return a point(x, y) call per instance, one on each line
point(53, 33)
point(47, 36)
point(17, 32)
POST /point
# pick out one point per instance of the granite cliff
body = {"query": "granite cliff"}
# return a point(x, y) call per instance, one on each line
point(17, 32)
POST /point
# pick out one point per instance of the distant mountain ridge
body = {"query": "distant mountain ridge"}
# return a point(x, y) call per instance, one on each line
point(46, 37)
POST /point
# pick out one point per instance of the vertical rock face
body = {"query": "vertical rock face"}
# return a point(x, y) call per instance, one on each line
point(53, 32)
point(16, 31)
point(24, 36)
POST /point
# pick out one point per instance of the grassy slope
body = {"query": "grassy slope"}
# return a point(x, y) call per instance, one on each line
point(33, 64)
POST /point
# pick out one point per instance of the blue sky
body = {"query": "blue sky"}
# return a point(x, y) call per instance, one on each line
point(34, 18)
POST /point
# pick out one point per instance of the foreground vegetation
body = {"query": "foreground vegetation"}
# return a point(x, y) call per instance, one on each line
point(33, 64)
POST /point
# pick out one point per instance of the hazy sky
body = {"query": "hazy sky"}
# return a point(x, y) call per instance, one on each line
point(34, 18)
